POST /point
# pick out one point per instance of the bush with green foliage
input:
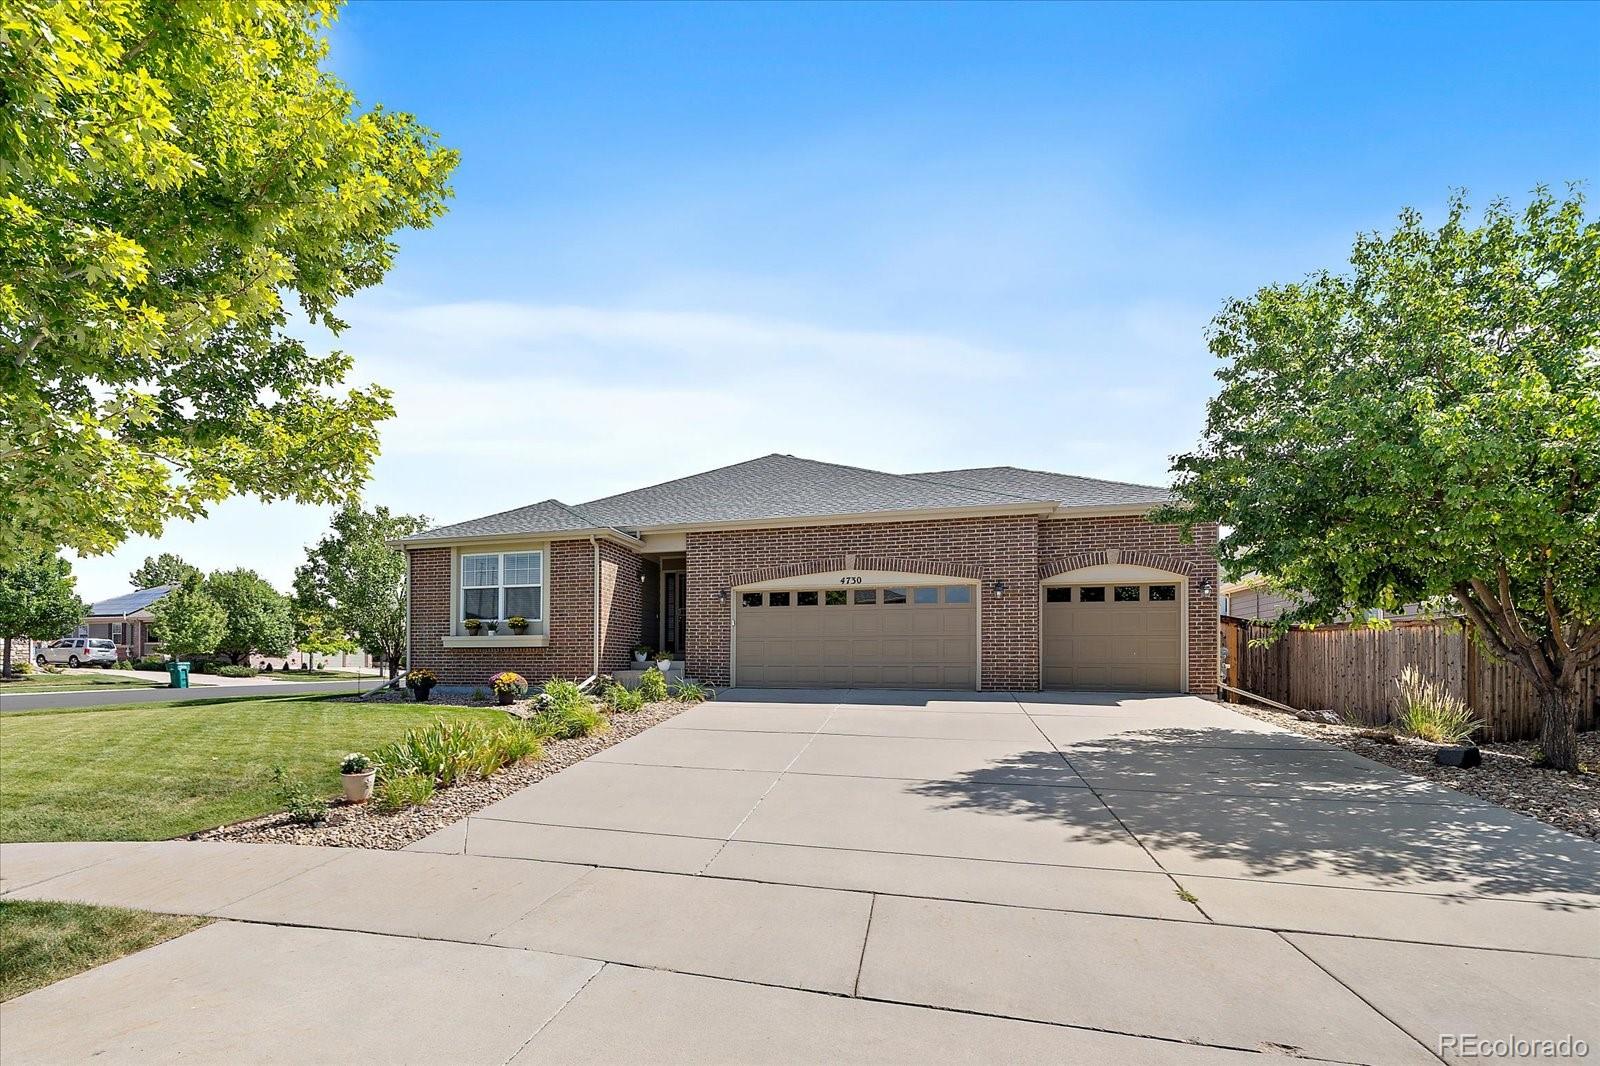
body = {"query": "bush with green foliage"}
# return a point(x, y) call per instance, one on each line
point(236, 671)
point(123, 664)
point(623, 699)
point(1426, 710)
point(150, 662)
point(653, 686)
point(20, 668)
point(690, 692)
point(404, 790)
point(303, 806)
point(450, 752)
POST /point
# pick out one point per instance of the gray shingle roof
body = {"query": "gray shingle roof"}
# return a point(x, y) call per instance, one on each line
point(1067, 489)
point(547, 516)
point(785, 486)
point(131, 602)
point(781, 486)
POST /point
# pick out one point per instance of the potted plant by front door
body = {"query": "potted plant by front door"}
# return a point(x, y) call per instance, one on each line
point(663, 661)
point(641, 652)
point(358, 774)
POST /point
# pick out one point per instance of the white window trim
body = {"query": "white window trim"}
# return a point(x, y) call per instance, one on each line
point(460, 638)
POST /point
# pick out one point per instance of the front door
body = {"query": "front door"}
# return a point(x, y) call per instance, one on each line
point(673, 604)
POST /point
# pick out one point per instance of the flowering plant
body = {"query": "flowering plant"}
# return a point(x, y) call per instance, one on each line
point(508, 682)
point(421, 677)
point(355, 763)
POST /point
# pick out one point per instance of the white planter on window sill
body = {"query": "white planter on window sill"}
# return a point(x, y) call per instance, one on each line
point(498, 640)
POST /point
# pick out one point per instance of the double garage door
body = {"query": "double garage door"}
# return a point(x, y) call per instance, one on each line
point(1122, 637)
point(859, 637)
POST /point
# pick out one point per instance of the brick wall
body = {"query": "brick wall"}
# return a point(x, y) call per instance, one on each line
point(621, 605)
point(1130, 533)
point(1003, 549)
point(569, 654)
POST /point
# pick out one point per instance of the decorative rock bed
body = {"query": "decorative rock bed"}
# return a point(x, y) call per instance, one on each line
point(1508, 775)
point(366, 826)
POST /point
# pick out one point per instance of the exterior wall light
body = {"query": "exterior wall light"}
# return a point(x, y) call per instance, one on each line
point(722, 597)
point(999, 589)
point(1206, 589)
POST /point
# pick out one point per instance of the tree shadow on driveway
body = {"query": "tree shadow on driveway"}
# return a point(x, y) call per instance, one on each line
point(1217, 802)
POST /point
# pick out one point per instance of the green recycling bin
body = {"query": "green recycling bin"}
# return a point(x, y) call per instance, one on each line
point(179, 673)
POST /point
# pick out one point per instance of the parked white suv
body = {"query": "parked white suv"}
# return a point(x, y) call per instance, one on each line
point(79, 651)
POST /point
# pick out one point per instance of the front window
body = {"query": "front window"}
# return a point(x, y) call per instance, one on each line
point(503, 585)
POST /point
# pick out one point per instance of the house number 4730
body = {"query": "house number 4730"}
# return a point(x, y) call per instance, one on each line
point(849, 581)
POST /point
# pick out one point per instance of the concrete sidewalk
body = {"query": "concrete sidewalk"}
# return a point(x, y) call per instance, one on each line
point(868, 878)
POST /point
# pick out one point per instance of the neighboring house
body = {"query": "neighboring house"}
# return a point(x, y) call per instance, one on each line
point(1254, 598)
point(783, 571)
point(125, 619)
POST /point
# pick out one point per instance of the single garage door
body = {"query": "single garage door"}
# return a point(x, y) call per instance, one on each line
point(857, 637)
point(1121, 637)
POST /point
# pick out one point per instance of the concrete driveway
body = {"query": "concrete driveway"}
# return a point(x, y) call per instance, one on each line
point(869, 876)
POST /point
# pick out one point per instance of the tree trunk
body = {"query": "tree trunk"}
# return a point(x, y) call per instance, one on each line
point(394, 666)
point(1558, 726)
point(5, 667)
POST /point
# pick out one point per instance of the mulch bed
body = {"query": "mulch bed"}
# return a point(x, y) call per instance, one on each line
point(366, 826)
point(1507, 777)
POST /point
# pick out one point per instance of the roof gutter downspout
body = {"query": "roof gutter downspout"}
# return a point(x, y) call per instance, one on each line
point(594, 543)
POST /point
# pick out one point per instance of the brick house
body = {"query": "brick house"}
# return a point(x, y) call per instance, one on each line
point(786, 572)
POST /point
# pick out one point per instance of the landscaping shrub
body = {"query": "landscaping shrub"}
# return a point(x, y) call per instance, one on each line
point(20, 667)
point(653, 686)
point(123, 664)
point(690, 692)
point(446, 753)
point(303, 806)
point(624, 699)
point(406, 790)
point(150, 662)
point(562, 694)
point(236, 671)
point(509, 686)
point(570, 722)
point(1425, 710)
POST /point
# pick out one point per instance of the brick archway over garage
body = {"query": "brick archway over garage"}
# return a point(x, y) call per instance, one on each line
point(832, 563)
point(1061, 564)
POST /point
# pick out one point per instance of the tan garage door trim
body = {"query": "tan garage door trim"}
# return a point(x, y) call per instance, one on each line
point(851, 579)
point(1128, 574)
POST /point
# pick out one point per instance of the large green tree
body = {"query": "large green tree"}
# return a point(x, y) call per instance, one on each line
point(163, 569)
point(188, 621)
point(259, 618)
point(1425, 424)
point(37, 599)
point(354, 580)
point(174, 178)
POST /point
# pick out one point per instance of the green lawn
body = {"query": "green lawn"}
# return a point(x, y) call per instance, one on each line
point(78, 679)
point(161, 770)
point(41, 943)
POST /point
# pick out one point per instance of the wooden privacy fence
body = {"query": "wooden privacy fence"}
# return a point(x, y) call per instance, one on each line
point(1352, 670)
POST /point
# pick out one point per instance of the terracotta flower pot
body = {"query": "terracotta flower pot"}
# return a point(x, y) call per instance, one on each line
point(358, 787)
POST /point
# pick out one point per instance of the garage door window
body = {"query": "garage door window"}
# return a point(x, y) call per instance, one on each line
point(1127, 593)
point(805, 599)
point(958, 594)
point(777, 599)
point(894, 595)
point(1092, 594)
point(750, 599)
point(1163, 593)
point(837, 597)
point(866, 596)
point(924, 595)
point(1061, 595)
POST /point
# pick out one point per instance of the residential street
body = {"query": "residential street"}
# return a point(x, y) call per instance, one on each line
point(210, 688)
point(865, 876)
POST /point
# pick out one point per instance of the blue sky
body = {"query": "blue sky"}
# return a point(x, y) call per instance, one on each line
point(898, 236)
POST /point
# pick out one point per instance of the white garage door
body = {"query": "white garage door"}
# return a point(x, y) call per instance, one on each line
point(1120, 637)
point(859, 637)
